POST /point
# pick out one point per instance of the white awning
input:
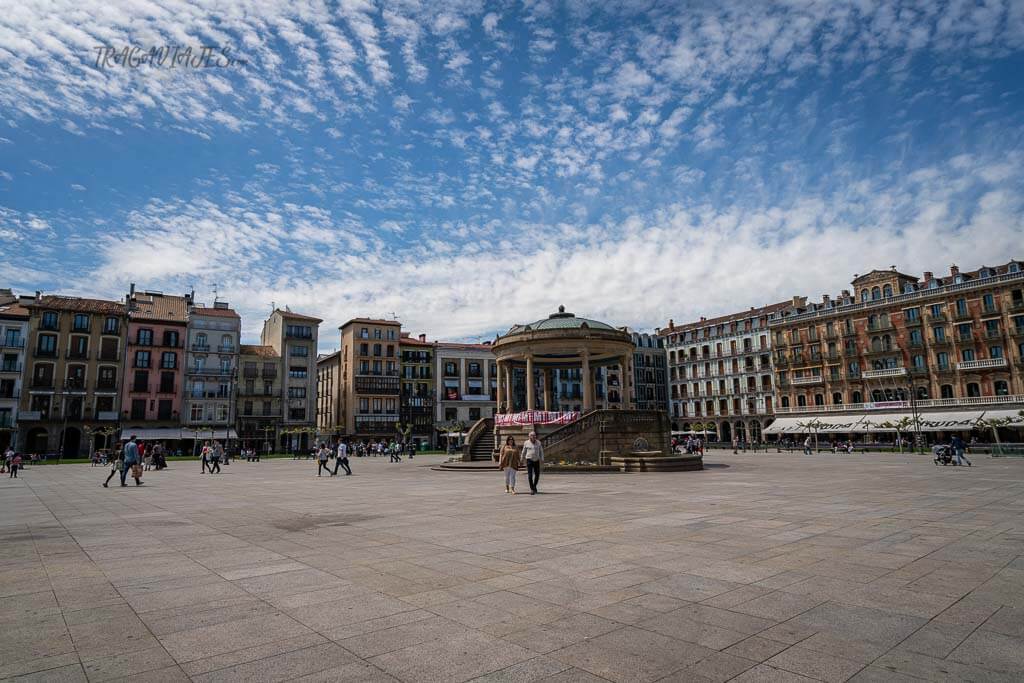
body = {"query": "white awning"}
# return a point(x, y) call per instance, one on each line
point(786, 425)
point(152, 433)
point(1004, 413)
point(950, 421)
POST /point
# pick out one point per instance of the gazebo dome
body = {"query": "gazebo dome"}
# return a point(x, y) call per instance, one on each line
point(560, 321)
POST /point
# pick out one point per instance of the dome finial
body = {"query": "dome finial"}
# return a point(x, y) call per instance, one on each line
point(561, 309)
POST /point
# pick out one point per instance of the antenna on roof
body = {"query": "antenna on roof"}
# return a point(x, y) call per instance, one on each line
point(273, 307)
point(394, 316)
point(214, 288)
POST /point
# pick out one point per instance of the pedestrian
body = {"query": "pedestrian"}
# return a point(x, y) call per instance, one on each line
point(508, 462)
point(958, 450)
point(411, 448)
point(341, 459)
point(216, 453)
point(394, 452)
point(146, 452)
point(533, 453)
point(807, 446)
point(116, 465)
point(15, 466)
point(322, 454)
point(5, 464)
point(205, 455)
point(131, 459)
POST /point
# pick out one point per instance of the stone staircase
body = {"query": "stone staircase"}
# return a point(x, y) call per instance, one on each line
point(480, 446)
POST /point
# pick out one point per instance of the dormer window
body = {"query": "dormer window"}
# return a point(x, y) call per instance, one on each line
point(1014, 267)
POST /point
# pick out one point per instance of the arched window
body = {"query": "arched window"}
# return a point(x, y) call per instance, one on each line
point(946, 391)
point(837, 399)
point(973, 389)
point(876, 294)
point(819, 400)
point(886, 342)
point(922, 393)
point(877, 395)
point(876, 343)
point(887, 291)
point(1001, 387)
point(872, 320)
point(785, 402)
point(864, 295)
point(857, 397)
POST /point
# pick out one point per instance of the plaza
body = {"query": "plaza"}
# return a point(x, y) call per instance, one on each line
point(766, 567)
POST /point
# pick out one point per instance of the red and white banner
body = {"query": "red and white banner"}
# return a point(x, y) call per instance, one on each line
point(535, 417)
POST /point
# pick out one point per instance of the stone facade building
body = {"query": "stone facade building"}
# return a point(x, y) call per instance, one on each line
point(259, 409)
point(14, 318)
point(650, 372)
point(467, 382)
point(74, 371)
point(154, 380)
point(897, 342)
point(294, 338)
point(720, 372)
point(211, 366)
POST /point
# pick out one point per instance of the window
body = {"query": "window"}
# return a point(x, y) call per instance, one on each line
point(299, 331)
point(377, 333)
point(247, 408)
point(81, 323)
point(915, 338)
point(163, 411)
point(170, 338)
point(109, 349)
point(1001, 388)
point(299, 351)
point(918, 362)
point(837, 399)
point(144, 337)
point(377, 349)
point(297, 372)
point(973, 390)
point(142, 359)
point(451, 369)
point(988, 302)
point(887, 291)
point(876, 293)
point(106, 378)
point(942, 359)
point(46, 345)
point(79, 347)
point(364, 333)
point(940, 333)
point(857, 397)
point(995, 352)
point(140, 380)
point(863, 295)
point(961, 306)
point(364, 405)
point(967, 355)
point(296, 392)
point(451, 414)
point(801, 401)
point(138, 409)
point(49, 320)
point(474, 414)
point(195, 412)
point(912, 314)
point(111, 325)
point(166, 382)
point(169, 360)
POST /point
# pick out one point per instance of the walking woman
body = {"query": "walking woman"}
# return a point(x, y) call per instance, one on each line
point(508, 462)
point(116, 465)
point(205, 454)
point(322, 454)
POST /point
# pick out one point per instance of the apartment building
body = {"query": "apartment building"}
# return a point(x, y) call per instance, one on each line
point(650, 372)
point(294, 337)
point(897, 344)
point(155, 364)
point(210, 371)
point(416, 403)
point(720, 372)
point(14, 317)
point(73, 365)
point(467, 382)
point(361, 381)
point(260, 404)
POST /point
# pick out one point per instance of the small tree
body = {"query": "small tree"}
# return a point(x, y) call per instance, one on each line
point(812, 425)
point(404, 431)
point(994, 423)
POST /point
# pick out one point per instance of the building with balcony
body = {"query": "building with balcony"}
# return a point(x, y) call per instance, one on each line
point(293, 337)
point(73, 367)
point(650, 372)
point(260, 399)
point(151, 395)
point(466, 389)
point(720, 373)
point(359, 385)
point(211, 366)
point(898, 345)
point(13, 332)
point(416, 403)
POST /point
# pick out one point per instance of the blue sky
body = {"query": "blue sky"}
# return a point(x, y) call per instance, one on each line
point(470, 165)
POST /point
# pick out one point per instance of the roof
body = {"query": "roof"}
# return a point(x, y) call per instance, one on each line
point(370, 321)
point(886, 273)
point(414, 341)
point(74, 303)
point(560, 321)
point(330, 357)
point(14, 310)
point(297, 316)
point(723, 319)
point(221, 312)
point(163, 307)
point(463, 346)
point(257, 350)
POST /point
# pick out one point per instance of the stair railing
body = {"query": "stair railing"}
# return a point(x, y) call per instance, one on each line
point(475, 432)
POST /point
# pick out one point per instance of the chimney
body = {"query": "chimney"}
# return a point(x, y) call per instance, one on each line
point(671, 324)
point(423, 337)
point(702, 318)
point(825, 299)
point(928, 275)
point(39, 295)
point(953, 270)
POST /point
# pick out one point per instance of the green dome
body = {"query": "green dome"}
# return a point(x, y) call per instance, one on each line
point(560, 321)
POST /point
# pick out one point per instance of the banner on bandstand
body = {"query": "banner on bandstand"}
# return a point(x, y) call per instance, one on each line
point(535, 417)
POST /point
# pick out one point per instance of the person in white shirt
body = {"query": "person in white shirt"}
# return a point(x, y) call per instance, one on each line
point(341, 459)
point(533, 453)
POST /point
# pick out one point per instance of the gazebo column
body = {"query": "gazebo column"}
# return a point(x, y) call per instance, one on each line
point(588, 383)
point(624, 380)
point(508, 387)
point(530, 391)
point(546, 374)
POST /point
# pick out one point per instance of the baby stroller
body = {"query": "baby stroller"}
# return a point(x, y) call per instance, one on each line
point(943, 455)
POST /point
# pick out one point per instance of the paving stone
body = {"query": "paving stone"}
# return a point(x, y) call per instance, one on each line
point(631, 654)
point(991, 651)
point(813, 665)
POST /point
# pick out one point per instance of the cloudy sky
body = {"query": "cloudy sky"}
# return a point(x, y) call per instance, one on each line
point(467, 165)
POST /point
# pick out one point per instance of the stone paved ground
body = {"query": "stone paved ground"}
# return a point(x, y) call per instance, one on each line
point(761, 568)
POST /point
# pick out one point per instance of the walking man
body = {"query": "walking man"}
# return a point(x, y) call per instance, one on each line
point(8, 459)
point(215, 456)
point(807, 446)
point(533, 453)
point(958, 450)
point(15, 466)
point(341, 459)
point(131, 460)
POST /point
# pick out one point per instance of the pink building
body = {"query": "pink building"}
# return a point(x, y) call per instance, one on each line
point(154, 366)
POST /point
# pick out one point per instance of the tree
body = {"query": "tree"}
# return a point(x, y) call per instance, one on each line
point(994, 423)
point(812, 425)
point(404, 431)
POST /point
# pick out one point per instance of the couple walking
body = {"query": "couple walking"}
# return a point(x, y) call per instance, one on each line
point(127, 459)
point(324, 453)
point(511, 458)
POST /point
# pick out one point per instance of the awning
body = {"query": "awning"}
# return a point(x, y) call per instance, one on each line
point(786, 425)
point(949, 422)
point(875, 423)
point(152, 433)
point(1005, 413)
point(187, 433)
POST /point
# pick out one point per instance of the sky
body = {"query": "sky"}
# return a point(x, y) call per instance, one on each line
point(468, 165)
